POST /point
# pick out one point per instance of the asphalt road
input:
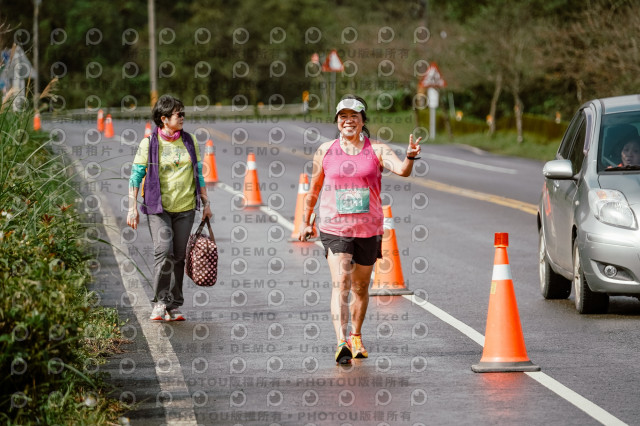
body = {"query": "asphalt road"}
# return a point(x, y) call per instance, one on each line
point(258, 347)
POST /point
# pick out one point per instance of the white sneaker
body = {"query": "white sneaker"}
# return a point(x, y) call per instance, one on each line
point(175, 315)
point(159, 312)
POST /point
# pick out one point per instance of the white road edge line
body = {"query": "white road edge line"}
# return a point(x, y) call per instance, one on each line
point(471, 164)
point(281, 220)
point(175, 382)
point(445, 317)
point(176, 399)
point(545, 380)
point(576, 399)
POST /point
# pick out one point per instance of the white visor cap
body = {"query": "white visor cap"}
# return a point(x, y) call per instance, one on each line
point(352, 104)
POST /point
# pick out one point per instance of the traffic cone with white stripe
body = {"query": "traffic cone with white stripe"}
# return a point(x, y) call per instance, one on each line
point(298, 219)
point(209, 170)
point(108, 127)
point(100, 123)
point(504, 348)
point(251, 185)
point(388, 279)
point(147, 129)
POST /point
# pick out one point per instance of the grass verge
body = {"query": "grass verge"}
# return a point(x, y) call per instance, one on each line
point(505, 143)
point(53, 333)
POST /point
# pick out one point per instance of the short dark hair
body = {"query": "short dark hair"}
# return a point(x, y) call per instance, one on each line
point(634, 140)
point(362, 113)
point(165, 106)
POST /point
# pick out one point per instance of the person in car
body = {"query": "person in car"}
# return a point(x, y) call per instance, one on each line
point(630, 154)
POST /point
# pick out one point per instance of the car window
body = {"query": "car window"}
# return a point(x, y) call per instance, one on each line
point(576, 154)
point(569, 136)
point(617, 130)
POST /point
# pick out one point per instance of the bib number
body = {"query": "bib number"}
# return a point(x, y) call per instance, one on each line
point(349, 201)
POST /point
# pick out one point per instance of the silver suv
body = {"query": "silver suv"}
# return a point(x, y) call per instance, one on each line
point(587, 215)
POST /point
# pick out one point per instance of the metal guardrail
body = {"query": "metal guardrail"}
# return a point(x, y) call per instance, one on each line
point(192, 111)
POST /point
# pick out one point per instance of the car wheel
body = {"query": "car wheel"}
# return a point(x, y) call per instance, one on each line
point(552, 285)
point(587, 301)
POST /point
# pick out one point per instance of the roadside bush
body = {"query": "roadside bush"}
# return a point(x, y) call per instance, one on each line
point(546, 130)
point(49, 321)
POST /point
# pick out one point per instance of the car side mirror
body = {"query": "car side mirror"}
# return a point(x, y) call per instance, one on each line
point(558, 169)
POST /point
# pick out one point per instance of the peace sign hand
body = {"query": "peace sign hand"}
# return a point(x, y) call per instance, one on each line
point(414, 147)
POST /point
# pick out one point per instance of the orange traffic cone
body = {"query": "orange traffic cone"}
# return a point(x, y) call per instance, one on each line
point(36, 122)
point(388, 279)
point(303, 188)
point(251, 185)
point(108, 127)
point(504, 348)
point(100, 125)
point(209, 169)
point(147, 129)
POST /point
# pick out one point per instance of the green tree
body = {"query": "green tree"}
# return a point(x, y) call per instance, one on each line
point(598, 51)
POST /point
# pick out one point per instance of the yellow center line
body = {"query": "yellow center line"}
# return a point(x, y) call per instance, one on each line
point(477, 195)
point(426, 183)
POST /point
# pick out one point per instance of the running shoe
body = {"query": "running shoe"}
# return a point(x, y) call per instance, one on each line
point(357, 347)
point(343, 353)
point(159, 312)
point(175, 315)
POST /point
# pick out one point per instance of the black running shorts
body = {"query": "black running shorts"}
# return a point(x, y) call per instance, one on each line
point(365, 251)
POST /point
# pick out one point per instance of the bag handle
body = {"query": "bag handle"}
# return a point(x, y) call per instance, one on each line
point(201, 227)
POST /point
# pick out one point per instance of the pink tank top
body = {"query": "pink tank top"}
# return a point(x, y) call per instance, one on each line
point(350, 204)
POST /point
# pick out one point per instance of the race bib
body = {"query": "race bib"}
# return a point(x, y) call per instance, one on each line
point(349, 201)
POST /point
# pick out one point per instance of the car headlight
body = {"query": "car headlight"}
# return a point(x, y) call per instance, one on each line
point(611, 207)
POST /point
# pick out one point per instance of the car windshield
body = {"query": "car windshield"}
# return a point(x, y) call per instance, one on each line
point(620, 142)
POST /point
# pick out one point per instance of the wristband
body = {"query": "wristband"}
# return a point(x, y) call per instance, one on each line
point(413, 158)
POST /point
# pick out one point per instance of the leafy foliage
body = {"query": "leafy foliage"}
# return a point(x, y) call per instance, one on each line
point(51, 330)
point(549, 56)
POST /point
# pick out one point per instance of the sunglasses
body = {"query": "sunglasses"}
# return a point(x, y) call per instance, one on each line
point(179, 114)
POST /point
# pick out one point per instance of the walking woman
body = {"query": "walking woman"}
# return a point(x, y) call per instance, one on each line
point(348, 170)
point(173, 190)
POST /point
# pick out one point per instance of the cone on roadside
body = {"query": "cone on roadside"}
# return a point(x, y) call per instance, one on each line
point(504, 348)
point(147, 129)
point(108, 127)
point(388, 279)
point(251, 184)
point(37, 125)
point(209, 170)
point(100, 124)
point(298, 219)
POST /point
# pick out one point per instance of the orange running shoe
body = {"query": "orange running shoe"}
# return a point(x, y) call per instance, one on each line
point(357, 347)
point(343, 353)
